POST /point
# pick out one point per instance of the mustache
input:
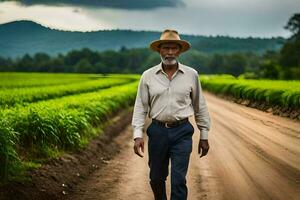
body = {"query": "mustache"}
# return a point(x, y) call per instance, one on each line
point(169, 57)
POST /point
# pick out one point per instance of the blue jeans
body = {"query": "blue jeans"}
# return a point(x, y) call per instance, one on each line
point(164, 144)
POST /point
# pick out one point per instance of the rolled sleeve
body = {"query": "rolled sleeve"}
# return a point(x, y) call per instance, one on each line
point(201, 113)
point(140, 108)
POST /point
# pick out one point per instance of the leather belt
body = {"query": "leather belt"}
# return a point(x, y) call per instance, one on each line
point(170, 124)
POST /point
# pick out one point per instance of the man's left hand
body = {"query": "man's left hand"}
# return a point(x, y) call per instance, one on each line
point(203, 146)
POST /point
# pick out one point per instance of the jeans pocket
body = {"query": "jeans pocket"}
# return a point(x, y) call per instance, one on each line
point(148, 129)
point(191, 126)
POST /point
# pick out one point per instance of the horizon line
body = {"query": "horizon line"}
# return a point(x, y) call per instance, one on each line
point(154, 31)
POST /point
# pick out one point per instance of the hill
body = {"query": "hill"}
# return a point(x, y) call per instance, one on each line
point(21, 37)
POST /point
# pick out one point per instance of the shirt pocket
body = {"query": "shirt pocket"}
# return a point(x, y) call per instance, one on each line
point(182, 96)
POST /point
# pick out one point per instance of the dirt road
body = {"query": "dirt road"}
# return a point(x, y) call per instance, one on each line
point(253, 155)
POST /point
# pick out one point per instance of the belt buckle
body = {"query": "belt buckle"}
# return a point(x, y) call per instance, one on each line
point(166, 125)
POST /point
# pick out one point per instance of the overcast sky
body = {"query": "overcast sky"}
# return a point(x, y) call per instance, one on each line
point(239, 18)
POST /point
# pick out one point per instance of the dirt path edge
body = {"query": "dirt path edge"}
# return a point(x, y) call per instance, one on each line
point(292, 113)
point(56, 178)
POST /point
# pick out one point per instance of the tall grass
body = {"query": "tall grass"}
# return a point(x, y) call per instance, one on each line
point(9, 160)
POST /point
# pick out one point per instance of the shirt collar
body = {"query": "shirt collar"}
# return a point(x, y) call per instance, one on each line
point(159, 68)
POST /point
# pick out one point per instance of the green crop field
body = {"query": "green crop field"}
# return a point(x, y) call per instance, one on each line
point(42, 114)
point(11, 97)
point(21, 80)
point(273, 92)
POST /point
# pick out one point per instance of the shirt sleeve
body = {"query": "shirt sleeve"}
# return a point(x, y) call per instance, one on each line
point(140, 108)
point(201, 113)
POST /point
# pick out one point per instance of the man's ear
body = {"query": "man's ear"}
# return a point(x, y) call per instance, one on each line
point(178, 54)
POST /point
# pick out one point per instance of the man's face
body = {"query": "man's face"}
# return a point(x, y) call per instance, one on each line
point(169, 52)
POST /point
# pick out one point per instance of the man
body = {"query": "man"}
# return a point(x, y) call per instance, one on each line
point(169, 93)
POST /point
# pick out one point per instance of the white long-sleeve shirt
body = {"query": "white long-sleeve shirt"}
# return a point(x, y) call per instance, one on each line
point(170, 100)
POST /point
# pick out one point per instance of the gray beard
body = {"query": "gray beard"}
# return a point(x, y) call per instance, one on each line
point(168, 61)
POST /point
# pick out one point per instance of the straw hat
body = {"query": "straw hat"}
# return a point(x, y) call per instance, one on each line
point(170, 36)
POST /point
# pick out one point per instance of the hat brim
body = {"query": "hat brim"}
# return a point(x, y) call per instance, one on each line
point(184, 44)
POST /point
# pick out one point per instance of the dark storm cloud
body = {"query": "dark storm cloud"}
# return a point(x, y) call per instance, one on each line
point(123, 4)
point(240, 18)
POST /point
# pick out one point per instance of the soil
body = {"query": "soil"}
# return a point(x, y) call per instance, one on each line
point(253, 155)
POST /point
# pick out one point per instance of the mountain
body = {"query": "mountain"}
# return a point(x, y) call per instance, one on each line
point(21, 37)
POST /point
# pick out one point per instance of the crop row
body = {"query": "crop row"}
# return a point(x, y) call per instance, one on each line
point(11, 97)
point(57, 124)
point(273, 92)
point(23, 80)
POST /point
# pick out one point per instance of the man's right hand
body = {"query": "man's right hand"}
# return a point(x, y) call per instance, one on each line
point(139, 143)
